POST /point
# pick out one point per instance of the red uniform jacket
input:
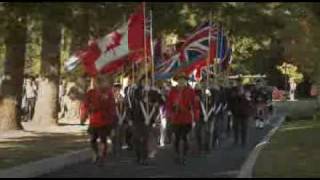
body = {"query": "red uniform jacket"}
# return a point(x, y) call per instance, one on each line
point(180, 104)
point(100, 105)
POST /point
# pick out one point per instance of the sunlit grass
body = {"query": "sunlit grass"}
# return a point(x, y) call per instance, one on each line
point(31, 148)
point(293, 152)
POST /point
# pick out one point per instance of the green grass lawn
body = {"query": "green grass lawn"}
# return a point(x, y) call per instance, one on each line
point(294, 151)
point(300, 109)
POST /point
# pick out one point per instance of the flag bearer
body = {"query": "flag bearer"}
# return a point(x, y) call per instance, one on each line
point(140, 130)
point(182, 111)
point(99, 105)
point(203, 125)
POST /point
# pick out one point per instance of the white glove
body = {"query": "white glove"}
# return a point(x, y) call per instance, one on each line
point(84, 128)
point(225, 106)
point(147, 88)
point(193, 124)
point(122, 93)
point(208, 92)
point(113, 133)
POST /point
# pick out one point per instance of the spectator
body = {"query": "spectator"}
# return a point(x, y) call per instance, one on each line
point(31, 93)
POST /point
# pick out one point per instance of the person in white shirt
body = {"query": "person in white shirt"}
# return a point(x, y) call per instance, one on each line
point(293, 87)
point(31, 93)
point(62, 98)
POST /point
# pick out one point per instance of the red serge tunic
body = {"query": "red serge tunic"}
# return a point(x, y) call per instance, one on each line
point(180, 104)
point(100, 106)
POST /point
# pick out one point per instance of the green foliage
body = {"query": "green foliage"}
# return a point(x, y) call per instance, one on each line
point(301, 37)
point(261, 33)
point(291, 71)
point(65, 48)
point(32, 65)
point(171, 18)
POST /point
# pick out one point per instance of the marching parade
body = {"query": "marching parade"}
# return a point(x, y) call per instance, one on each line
point(170, 97)
point(159, 89)
point(142, 118)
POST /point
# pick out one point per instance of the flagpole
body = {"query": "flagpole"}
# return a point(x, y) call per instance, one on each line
point(226, 54)
point(122, 72)
point(145, 54)
point(132, 62)
point(209, 56)
point(230, 56)
point(133, 74)
point(121, 76)
point(145, 42)
point(231, 46)
point(221, 48)
point(152, 53)
point(217, 54)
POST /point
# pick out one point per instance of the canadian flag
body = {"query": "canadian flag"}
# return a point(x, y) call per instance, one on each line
point(108, 54)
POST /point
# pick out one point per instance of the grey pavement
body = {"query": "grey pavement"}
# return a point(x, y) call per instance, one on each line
point(225, 161)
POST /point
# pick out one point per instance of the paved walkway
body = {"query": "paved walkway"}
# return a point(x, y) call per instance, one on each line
point(225, 161)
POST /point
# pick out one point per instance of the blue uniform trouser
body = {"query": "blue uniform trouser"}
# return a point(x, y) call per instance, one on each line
point(218, 128)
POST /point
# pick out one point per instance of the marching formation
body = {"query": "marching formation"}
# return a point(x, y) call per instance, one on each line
point(151, 111)
point(143, 118)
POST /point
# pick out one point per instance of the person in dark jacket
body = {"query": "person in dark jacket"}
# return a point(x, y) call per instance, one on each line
point(128, 103)
point(206, 114)
point(146, 108)
point(260, 98)
point(229, 117)
point(156, 100)
point(220, 106)
point(140, 131)
point(119, 133)
point(242, 109)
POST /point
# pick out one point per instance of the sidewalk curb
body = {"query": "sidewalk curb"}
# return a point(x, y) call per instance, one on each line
point(45, 166)
point(247, 167)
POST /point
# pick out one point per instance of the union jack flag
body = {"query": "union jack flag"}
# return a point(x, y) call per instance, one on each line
point(219, 49)
point(167, 69)
point(192, 54)
point(197, 45)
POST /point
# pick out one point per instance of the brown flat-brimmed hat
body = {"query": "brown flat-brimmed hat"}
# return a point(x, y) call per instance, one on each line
point(117, 85)
point(181, 75)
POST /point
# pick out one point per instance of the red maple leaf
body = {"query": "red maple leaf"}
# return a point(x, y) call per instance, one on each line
point(115, 41)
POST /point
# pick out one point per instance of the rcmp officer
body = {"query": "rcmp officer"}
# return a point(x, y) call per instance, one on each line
point(99, 105)
point(182, 111)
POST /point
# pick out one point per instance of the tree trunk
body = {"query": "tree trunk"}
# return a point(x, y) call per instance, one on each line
point(80, 29)
point(46, 110)
point(317, 83)
point(318, 98)
point(15, 42)
point(79, 40)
